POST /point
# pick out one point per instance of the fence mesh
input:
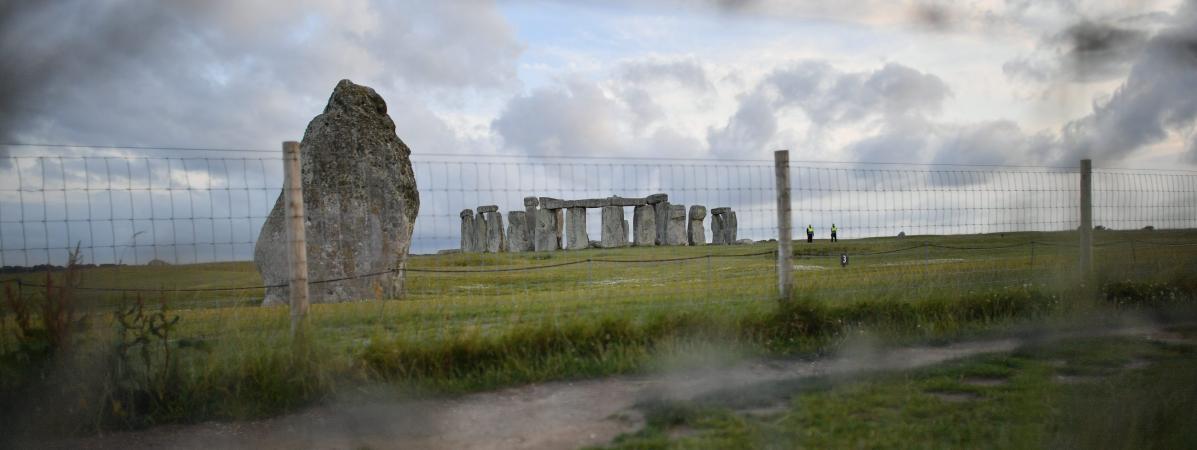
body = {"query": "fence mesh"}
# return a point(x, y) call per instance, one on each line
point(183, 229)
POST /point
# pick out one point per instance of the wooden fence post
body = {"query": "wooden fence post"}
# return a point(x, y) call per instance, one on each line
point(1086, 250)
point(785, 263)
point(297, 251)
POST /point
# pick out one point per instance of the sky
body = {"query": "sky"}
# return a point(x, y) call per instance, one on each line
point(979, 83)
point(1014, 82)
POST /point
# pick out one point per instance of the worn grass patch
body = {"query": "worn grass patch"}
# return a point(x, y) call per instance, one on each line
point(1019, 405)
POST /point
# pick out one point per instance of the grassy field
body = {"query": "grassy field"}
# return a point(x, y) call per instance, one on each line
point(1108, 392)
point(472, 322)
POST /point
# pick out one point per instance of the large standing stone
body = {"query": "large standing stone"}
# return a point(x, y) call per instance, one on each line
point(716, 229)
point(481, 232)
point(530, 204)
point(644, 226)
point(729, 227)
point(545, 237)
point(518, 239)
point(675, 230)
point(467, 230)
point(560, 227)
point(360, 202)
point(496, 241)
point(694, 231)
point(615, 233)
point(576, 234)
point(660, 203)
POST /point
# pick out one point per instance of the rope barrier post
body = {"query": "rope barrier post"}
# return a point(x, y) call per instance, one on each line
point(297, 254)
point(785, 254)
point(1086, 230)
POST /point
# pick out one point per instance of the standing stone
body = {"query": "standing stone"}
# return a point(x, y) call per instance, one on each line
point(729, 228)
point(615, 233)
point(560, 227)
point(496, 241)
point(360, 202)
point(716, 229)
point(530, 204)
point(467, 230)
point(545, 236)
point(694, 231)
point(518, 239)
point(578, 239)
point(644, 226)
point(660, 203)
point(675, 230)
point(481, 233)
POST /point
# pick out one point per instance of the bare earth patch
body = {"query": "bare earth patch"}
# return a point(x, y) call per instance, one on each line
point(955, 397)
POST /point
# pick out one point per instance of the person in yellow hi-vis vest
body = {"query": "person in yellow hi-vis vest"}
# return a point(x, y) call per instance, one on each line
point(810, 233)
point(833, 230)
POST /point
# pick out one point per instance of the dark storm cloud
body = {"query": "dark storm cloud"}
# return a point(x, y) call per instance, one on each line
point(233, 74)
point(1156, 99)
point(934, 16)
point(1097, 51)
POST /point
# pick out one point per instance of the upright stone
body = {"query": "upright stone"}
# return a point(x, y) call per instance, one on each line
point(530, 204)
point(496, 241)
point(481, 233)
point(360, 202)
point(560, 227)
point(660, 204)
point(716, 229)
point(729, 228)
point(576, 234)
point(545, 237)
point(615, 233)
point(518, 239)
point(694, 231)
point(644, 226)
point(467, 230)
point(675, 230)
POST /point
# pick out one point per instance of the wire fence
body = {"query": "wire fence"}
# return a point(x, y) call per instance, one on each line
point(186, 228)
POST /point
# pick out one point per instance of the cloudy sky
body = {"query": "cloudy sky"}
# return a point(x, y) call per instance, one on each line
point(1014, 83)
point(978, 82)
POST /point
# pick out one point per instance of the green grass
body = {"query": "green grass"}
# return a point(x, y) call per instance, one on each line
point(1116, 392)
point(459, 332)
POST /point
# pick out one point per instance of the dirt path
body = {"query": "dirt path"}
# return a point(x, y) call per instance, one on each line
point(542, 416)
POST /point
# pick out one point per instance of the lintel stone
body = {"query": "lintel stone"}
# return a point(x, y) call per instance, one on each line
point(622, 201)
point(551, 203)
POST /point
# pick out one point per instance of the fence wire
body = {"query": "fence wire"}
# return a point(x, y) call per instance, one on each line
point(183, 229)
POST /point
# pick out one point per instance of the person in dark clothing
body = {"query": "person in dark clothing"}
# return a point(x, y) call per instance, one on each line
point(833, 230)
point(810, 233)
